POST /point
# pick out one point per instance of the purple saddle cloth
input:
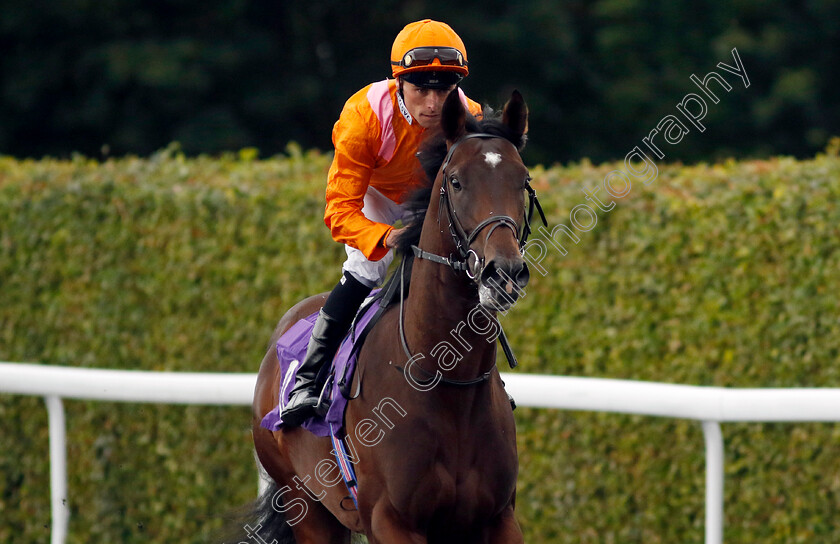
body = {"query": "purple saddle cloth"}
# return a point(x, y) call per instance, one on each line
point(291, 349)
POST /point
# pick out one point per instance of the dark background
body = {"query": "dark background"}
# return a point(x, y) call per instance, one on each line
point(112, 77)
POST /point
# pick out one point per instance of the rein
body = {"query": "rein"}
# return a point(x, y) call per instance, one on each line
point(431, 377)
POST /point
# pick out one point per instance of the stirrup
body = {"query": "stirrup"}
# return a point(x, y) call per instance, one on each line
point(323, 405)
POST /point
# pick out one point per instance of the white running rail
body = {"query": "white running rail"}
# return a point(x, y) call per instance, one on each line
point(708, 405)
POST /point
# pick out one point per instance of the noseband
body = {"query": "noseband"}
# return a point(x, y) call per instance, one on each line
point(468, 260)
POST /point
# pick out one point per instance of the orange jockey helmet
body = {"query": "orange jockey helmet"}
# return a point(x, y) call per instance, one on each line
point(429, 54)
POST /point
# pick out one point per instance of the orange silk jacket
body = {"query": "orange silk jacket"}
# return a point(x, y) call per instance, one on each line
point(375, 144)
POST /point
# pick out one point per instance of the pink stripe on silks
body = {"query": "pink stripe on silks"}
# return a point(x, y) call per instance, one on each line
point(379, 97)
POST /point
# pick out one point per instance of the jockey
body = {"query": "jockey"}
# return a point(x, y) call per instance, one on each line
point(374, 168)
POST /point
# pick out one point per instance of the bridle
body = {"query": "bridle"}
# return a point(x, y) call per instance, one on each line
point(467, 259)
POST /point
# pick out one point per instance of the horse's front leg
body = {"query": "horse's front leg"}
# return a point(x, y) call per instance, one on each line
point(386, 527)
point(504, 530)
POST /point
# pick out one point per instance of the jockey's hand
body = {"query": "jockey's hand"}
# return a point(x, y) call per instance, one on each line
point(391, 239)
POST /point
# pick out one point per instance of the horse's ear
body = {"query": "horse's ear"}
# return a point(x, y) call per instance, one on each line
point(453, 116)
point(515, 117)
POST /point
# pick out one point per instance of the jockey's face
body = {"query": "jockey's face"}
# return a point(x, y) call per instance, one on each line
point(425, 104)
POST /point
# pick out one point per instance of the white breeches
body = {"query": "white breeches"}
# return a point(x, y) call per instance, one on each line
point(381, 209)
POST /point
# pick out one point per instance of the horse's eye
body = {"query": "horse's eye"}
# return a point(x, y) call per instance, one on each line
point(455, 183)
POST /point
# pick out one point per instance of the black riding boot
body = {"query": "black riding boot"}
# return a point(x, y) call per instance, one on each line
point(332, 325)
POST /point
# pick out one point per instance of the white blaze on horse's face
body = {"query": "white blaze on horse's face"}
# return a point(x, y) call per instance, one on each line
point(492, 158)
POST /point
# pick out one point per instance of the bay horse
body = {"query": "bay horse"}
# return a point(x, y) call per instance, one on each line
point(432, 432)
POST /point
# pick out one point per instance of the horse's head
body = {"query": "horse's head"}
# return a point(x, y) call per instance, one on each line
point(482, 184)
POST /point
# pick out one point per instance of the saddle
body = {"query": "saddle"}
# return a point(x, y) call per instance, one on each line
point(335, 377)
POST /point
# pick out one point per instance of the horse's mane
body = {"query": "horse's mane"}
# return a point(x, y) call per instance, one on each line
point(432, 153)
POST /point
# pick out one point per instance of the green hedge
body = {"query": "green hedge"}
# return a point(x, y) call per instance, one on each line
point(720, 274)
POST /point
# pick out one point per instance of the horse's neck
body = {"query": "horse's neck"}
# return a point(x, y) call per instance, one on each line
point(438, 308)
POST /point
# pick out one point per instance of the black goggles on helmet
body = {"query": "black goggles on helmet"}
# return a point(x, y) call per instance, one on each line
point(424, 56)
point(437, 79)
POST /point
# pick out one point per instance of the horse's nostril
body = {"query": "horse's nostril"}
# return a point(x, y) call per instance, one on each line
point(508, 277)
point(489, 272)
point(523, 275)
